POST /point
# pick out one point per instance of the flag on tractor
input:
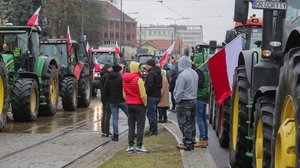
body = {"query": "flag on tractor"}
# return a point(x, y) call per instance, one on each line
point(96, 65)
point(221, 69)
point(118, 51)
point(88, 48)
point(166, 55)
point(33, 21)
point(69, 42)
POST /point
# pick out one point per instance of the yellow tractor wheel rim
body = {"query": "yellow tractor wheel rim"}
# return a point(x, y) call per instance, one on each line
point(285, 155)
point(259, 145)
point(235, 118)
point(1, 95)
point(33, 99)
point(53, 90)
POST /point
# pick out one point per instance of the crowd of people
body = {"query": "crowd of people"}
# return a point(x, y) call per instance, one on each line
point(150, 98)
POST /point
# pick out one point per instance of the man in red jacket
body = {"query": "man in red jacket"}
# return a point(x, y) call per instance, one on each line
point(136, 99)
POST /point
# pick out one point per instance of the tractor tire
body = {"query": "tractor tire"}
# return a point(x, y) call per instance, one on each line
point(212, 103)
point(25, 100)
point(69, 93)
point(224, 124)
point(94, 92)
point(238, 121)
point(50, 89)
point(286, 131)
point(84, 90)
point(263, 127)
point(3, 95)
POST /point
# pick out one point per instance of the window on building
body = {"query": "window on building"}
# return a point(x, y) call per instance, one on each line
point(127, 26)
point(132, 36)
point(117, 35)
point(111, 34)
point(133, 26)
point(158, 32)
point(150, 33)
point(105, 34)
point(164, 32)
point(106, 42)
point(117, 25)
point(127, 36)
point(112, 24)
point(154, 33)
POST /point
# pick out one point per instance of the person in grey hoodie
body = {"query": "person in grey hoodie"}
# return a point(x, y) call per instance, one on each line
point(185, 94)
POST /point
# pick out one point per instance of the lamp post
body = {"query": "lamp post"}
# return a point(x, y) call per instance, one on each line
point(175, 20)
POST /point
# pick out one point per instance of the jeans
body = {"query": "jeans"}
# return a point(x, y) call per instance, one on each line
point(201, 118)
point(151, 113)
point(186, 112)
point(115, 114)
point(105, 119)
point(136, 115)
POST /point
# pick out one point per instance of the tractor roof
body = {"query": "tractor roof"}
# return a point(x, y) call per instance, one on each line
point(105, 49)
point(16, 28)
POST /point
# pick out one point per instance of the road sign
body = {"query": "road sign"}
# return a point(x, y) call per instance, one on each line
point(269, 5)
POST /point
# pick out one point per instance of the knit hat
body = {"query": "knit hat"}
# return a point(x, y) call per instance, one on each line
point(198, 59)
point(106, 66)
point(116, 67)
point(151, 62)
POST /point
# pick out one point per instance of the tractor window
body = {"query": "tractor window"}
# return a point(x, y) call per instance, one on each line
point(83, 57)
point(33, 43)
point(104, 57)
point(256, 35)
point(10, 42)
point(144, 59)
point(56, 51)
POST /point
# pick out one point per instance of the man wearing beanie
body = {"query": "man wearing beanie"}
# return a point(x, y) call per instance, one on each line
point(185, 94)
point(153, 84)
point(106, 113)
point(114, 91)
point(202, 100)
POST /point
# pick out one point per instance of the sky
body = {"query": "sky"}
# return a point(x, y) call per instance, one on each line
point(215, 16)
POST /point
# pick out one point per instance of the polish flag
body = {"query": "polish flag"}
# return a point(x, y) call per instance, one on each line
point(69, 41)
point(96, 65)
point(221, 68)
point(166, 55)
point(33, 21)
point(118, 49)
point(88, 48)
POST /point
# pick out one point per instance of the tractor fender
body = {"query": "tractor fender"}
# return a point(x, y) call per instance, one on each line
point(293, 40)
point(245, 58)
point(77, 70)
point(47, 61)
point(264, 90)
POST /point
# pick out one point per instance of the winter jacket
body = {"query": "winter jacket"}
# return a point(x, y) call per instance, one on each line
point(113, 88)
point(203, 86)
point(134, 88)
point(153, 82)
point(187, 81)
point(104, 74)
point(164, 93)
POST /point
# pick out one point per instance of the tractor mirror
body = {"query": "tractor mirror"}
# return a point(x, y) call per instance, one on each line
point(230, 35)
point(75, 46)
point(212, 46)
point(241, 10)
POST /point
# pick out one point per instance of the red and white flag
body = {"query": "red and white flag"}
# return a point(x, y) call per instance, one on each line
point(118, 49)
point(96, 65)
point(33, 21)
point(69, 41)
point(221, 68)
point(166, 55)
point(88, 48)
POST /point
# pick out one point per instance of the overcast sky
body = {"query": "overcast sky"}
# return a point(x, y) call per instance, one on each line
point(215, 16)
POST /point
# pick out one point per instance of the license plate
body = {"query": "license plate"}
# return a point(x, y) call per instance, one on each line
point(269, 5)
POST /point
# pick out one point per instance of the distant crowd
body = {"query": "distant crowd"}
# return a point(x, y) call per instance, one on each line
point(150, 97)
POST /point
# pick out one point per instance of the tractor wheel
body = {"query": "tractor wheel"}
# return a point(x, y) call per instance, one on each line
point(3, 95)
point(218, 119)
point(94, 92)
point(212, 102)
point(263, 127)
point(51, 92)
point(25, 100)
point(238, 121)
point(84, 90)
point(69, 93)
point(286, 131)
point(224, 126)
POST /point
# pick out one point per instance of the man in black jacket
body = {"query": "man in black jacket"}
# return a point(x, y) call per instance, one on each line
point(153, 86)
point(106, 112)
point(114, 91)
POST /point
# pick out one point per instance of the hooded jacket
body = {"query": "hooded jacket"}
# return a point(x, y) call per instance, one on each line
point(104, 74)
point(134, 89)
point(153, 82)
point(187, 81)
point(113, 88)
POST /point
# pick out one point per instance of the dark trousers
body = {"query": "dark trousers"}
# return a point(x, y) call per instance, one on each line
point(151, 112)
point(105, 119)
point(162, 113)
point(173, 101)
point(186, 113)
point(136, 114)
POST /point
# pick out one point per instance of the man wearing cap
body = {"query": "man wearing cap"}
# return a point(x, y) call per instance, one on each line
point(202, 100)
point(114, 91)
point(106, 112)
point(185, 94)
point(153, 84)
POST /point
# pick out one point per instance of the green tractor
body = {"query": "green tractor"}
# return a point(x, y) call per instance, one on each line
point(74, 69)
point(3, 94)
point(32, 78)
